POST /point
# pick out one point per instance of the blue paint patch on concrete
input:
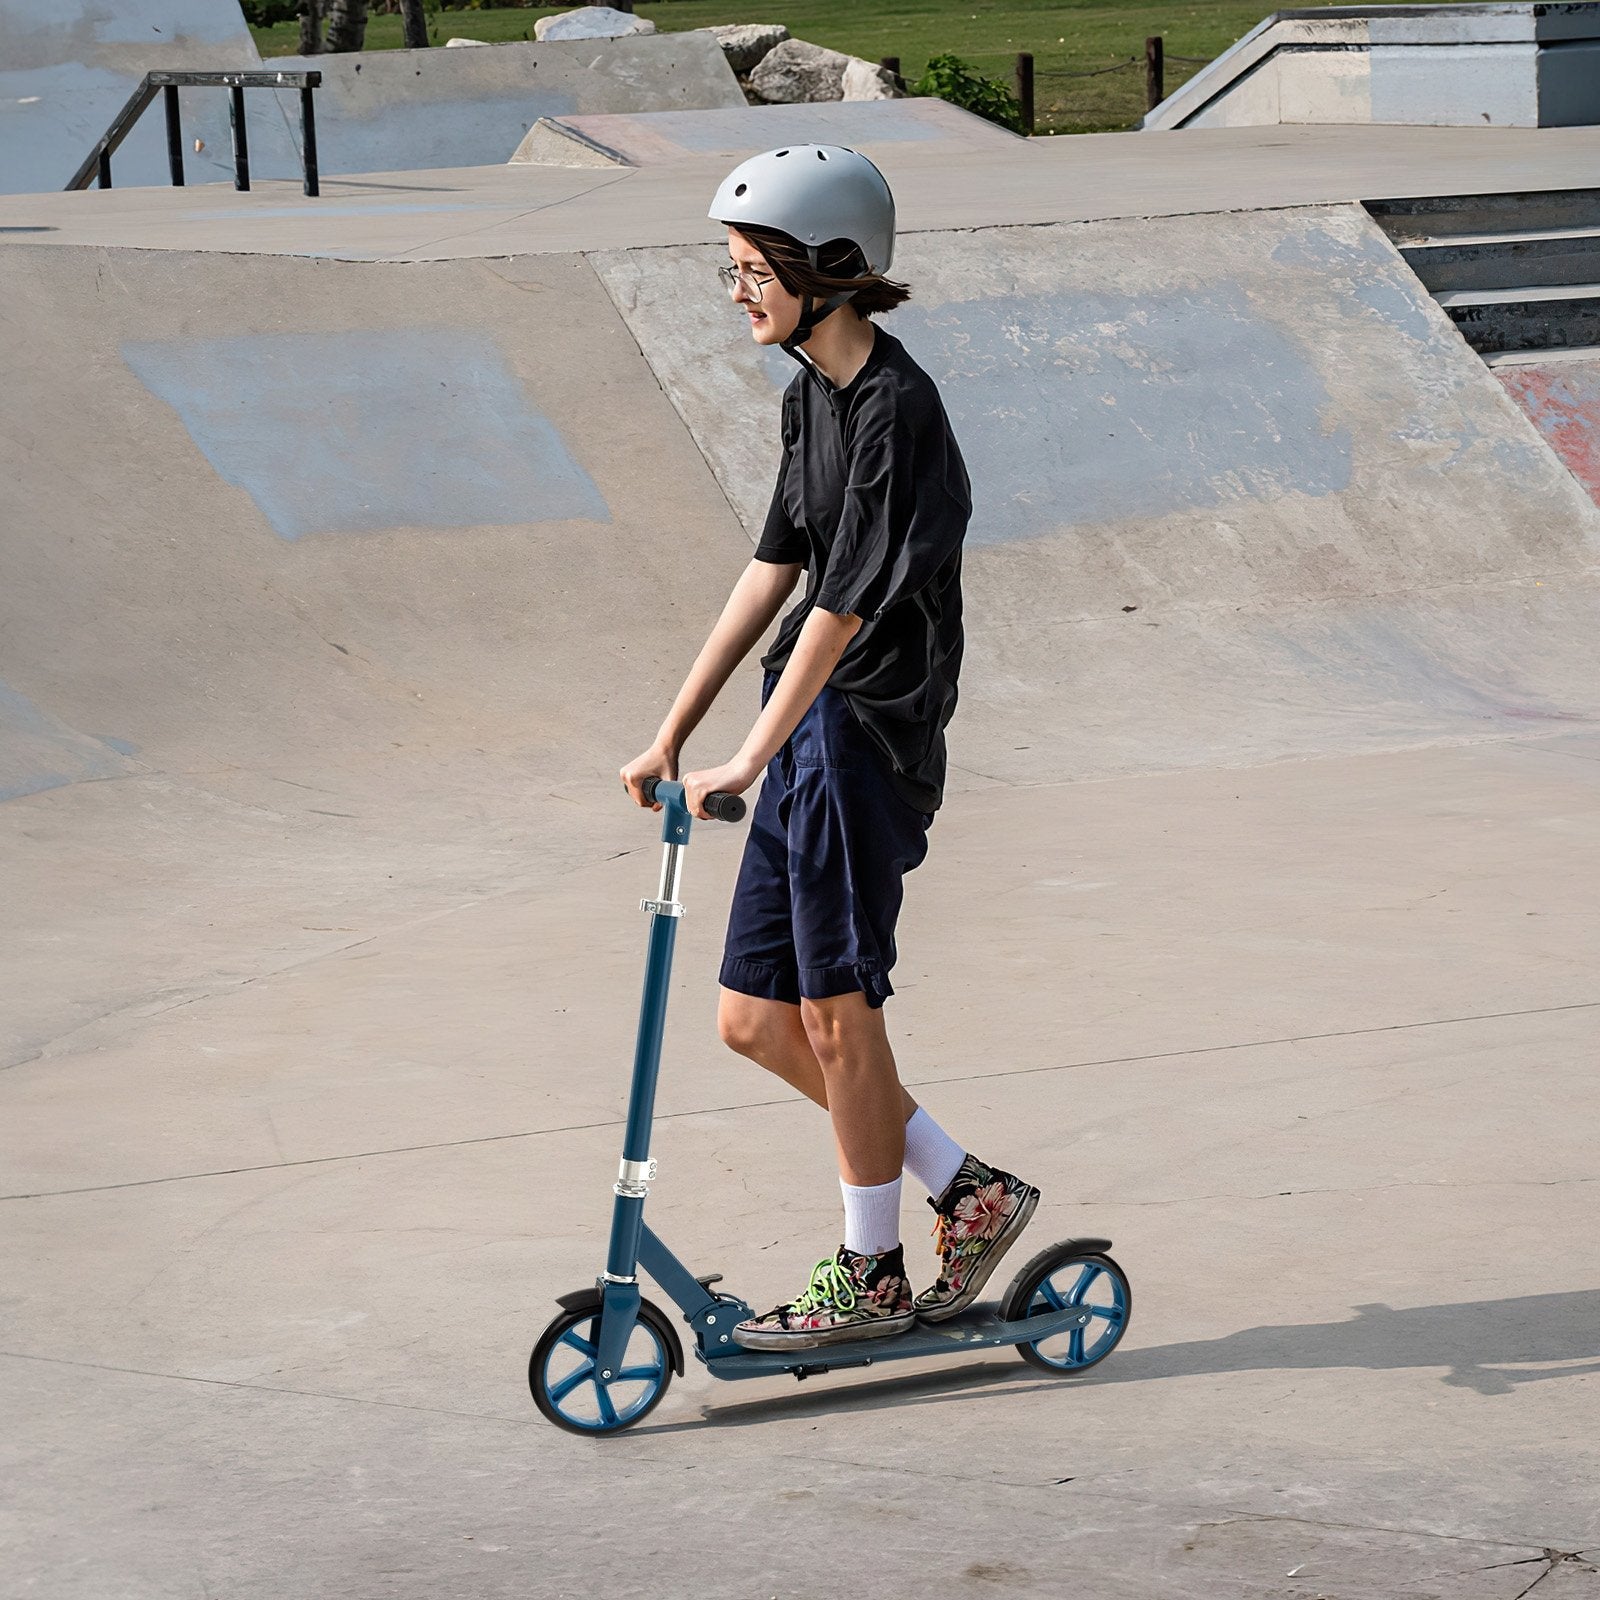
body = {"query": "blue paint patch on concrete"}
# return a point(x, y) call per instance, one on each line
point(1105, 407)
point(361, 431)
point(1367, 268)
point(39, 752)
point(1400, 306)
point(1315, 246)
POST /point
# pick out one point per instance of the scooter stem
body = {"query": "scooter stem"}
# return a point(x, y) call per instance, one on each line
point(633, 1180)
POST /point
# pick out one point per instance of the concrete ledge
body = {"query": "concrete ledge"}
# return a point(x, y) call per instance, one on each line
point(651, 138)
point(1504, 65)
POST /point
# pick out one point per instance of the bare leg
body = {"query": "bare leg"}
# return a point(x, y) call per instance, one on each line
point(864, 1097)
point(773, 1035)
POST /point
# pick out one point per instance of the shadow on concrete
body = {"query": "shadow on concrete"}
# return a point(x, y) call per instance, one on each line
point(1477, 1341)
point(1490, 1346)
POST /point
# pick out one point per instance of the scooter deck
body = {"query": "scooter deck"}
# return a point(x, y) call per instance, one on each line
point(977, 1327)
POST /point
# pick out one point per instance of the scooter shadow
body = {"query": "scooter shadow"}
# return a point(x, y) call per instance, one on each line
point(1489, 1346)
point(929, 1385)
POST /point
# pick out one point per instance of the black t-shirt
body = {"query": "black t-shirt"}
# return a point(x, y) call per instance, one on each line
point(873, 497)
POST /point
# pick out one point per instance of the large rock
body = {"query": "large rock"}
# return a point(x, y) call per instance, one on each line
point(795, 71)
point(866, 80)
point(591, 22)
point(745, 43)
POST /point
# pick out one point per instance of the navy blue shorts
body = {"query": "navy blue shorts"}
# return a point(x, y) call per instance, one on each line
point(819, 887)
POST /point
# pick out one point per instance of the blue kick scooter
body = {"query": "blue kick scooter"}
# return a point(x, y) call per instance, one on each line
point(605, 1362)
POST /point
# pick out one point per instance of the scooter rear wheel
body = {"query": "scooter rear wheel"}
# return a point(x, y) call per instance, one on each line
point(1066, 1275)
point(568, 1389)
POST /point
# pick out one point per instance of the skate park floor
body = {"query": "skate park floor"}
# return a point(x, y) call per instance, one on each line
point(325, 978)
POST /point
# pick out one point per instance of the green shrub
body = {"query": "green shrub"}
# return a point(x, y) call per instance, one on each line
point(950, 78)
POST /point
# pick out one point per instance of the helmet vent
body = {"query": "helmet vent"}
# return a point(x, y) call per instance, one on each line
point(783, 152)
point(822, 155)
point(739, 192)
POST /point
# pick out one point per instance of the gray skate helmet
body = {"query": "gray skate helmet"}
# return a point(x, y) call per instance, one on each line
point(815, 193)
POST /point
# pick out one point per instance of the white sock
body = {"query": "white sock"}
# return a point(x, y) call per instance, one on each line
point(933, 1158)
point(871, 1217)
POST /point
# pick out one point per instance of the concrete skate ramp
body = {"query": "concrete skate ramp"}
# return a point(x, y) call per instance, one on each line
point(1242, 492)
point(640, 139)
point(332, 590)
point(67, 67)
point(401, 110)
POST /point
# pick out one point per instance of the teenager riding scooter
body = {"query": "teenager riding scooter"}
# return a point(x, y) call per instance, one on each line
point(872, 503)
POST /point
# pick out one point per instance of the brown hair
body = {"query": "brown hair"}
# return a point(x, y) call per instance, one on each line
point(839, 267)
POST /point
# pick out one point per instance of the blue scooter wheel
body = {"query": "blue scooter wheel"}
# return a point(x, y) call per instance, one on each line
point(1063, 1276)
point(566, 1383)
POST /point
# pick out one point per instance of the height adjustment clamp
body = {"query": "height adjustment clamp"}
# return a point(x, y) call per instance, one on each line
point(633, 1179)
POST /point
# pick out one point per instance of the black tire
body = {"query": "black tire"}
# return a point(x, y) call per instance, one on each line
point(1067, 1274)
point(617, 1404)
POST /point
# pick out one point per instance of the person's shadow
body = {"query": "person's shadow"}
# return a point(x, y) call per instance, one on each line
point(1488, 1345)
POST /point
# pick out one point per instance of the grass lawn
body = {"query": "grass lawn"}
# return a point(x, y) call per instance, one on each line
point(988, 33)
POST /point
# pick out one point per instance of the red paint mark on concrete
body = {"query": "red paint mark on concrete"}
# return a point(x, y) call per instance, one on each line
point(1563, 401)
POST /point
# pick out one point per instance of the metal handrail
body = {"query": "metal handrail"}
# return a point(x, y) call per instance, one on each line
point(97, 164)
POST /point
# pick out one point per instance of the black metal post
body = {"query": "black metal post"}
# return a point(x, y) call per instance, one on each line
point(1025, 88)
point(103, 166)
point(241, 141)
point(892, 64)
point(174, 135)
point(308, 140)
point(1155, 71)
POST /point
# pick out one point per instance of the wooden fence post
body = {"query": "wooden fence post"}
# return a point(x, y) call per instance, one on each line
point(1155, 72)
point(1025, 88)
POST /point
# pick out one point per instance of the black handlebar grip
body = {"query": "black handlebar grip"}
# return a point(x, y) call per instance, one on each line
point(723, 807)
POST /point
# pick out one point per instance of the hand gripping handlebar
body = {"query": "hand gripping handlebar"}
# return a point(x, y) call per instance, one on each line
point(724, 807)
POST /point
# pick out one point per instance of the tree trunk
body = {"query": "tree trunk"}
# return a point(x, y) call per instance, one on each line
point(310, 27)
point(347, 24)
point(414, 24)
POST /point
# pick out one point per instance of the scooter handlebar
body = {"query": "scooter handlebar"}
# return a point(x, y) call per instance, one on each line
point(724, 807)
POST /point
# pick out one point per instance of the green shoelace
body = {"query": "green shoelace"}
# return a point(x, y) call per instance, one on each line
point(830, 1286)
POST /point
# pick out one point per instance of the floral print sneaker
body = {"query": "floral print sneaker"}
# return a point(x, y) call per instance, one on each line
point(979, 1218)
point(849, 1297)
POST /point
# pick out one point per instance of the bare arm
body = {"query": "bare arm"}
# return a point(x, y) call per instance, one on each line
point(816, 653)
point(756, 599)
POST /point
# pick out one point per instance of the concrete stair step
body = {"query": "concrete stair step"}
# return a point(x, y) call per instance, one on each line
point(1524, 358)
point(1429, 219)
point(1526, 294)
point(1556, 257)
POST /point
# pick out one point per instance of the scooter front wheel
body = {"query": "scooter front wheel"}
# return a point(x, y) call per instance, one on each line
point(564, 1374)
point(1057, 1279)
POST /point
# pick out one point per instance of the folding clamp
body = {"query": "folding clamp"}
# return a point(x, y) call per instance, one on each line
point(665, 908)
point(633, 1180)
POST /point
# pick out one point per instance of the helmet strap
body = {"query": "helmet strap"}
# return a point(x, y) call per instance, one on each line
point(813, 312)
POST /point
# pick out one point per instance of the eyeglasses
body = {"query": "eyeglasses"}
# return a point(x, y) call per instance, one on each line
point(753, 284)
